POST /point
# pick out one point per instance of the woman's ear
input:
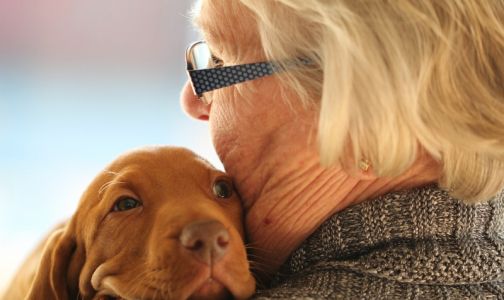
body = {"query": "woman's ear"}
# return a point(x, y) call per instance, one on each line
point(50, 280)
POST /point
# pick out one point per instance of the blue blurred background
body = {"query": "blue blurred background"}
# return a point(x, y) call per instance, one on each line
point(80, 83)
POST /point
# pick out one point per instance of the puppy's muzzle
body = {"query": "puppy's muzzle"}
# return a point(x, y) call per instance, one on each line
point(207, 241)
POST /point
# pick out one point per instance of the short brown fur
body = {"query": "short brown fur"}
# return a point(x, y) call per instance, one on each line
point(136, 254)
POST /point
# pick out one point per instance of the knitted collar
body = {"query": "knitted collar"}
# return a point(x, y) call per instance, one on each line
point(422, 236)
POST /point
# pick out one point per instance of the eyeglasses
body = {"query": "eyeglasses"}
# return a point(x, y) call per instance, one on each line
point(207, 74)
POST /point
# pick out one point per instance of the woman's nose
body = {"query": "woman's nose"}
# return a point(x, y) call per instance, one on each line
point(192, 106)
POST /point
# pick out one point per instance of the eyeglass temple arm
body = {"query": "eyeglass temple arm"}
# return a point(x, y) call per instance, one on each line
point(206, 80)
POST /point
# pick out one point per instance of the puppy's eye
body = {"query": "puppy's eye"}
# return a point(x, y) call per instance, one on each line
point(222, 189)
point(126, 204)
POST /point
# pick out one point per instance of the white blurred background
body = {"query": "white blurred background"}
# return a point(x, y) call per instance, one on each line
point(81, 82)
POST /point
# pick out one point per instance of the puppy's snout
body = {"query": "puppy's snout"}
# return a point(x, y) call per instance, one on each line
point(208, 241)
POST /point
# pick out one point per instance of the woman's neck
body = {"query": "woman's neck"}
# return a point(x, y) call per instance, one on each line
point(296, 199)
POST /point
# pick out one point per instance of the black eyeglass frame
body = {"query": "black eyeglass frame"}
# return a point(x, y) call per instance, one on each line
point(210, 79)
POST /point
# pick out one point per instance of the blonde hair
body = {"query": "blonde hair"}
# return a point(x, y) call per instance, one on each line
point(393, 77)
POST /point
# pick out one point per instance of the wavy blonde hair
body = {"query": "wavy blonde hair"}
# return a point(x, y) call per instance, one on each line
point(393, 77)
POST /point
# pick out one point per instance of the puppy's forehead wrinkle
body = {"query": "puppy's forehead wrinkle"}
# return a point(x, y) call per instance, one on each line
point(109, 172)
point(107, 184)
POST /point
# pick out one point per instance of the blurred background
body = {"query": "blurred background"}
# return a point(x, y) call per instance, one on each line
point(80, 83)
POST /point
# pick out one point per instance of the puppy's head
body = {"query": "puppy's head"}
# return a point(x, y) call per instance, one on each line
point(159, 223)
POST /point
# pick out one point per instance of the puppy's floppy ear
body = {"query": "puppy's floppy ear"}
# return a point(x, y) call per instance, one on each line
point(50, 278)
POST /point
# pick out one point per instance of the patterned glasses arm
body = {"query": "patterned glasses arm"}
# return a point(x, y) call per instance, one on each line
point(206, 80)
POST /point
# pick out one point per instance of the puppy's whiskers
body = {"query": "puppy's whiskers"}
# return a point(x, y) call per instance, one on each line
point(250, 247)
point(166, 290)
point(166, 287)
point(263, 268)
point(134, 286)
point(150, 280)
point(251, 244)
point(262, 277)
point(257, 257)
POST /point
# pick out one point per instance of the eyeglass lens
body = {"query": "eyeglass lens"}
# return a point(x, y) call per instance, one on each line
point(201, 58)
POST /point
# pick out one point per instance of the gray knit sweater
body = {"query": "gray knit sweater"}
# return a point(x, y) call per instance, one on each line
point(415, 244)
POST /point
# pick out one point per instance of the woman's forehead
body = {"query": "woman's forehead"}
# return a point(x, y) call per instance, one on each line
point(223, 20)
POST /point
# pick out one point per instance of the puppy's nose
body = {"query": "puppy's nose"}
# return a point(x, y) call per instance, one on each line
point(208, 241)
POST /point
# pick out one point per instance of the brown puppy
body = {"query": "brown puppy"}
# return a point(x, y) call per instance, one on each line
point(157, 223)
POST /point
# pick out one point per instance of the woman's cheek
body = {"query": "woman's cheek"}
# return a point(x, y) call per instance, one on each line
point(223, 123)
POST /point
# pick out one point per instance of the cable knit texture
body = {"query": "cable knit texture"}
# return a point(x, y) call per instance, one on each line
point(415, 244)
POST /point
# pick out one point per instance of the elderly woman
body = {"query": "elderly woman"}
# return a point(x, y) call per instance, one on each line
point(370, 163)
